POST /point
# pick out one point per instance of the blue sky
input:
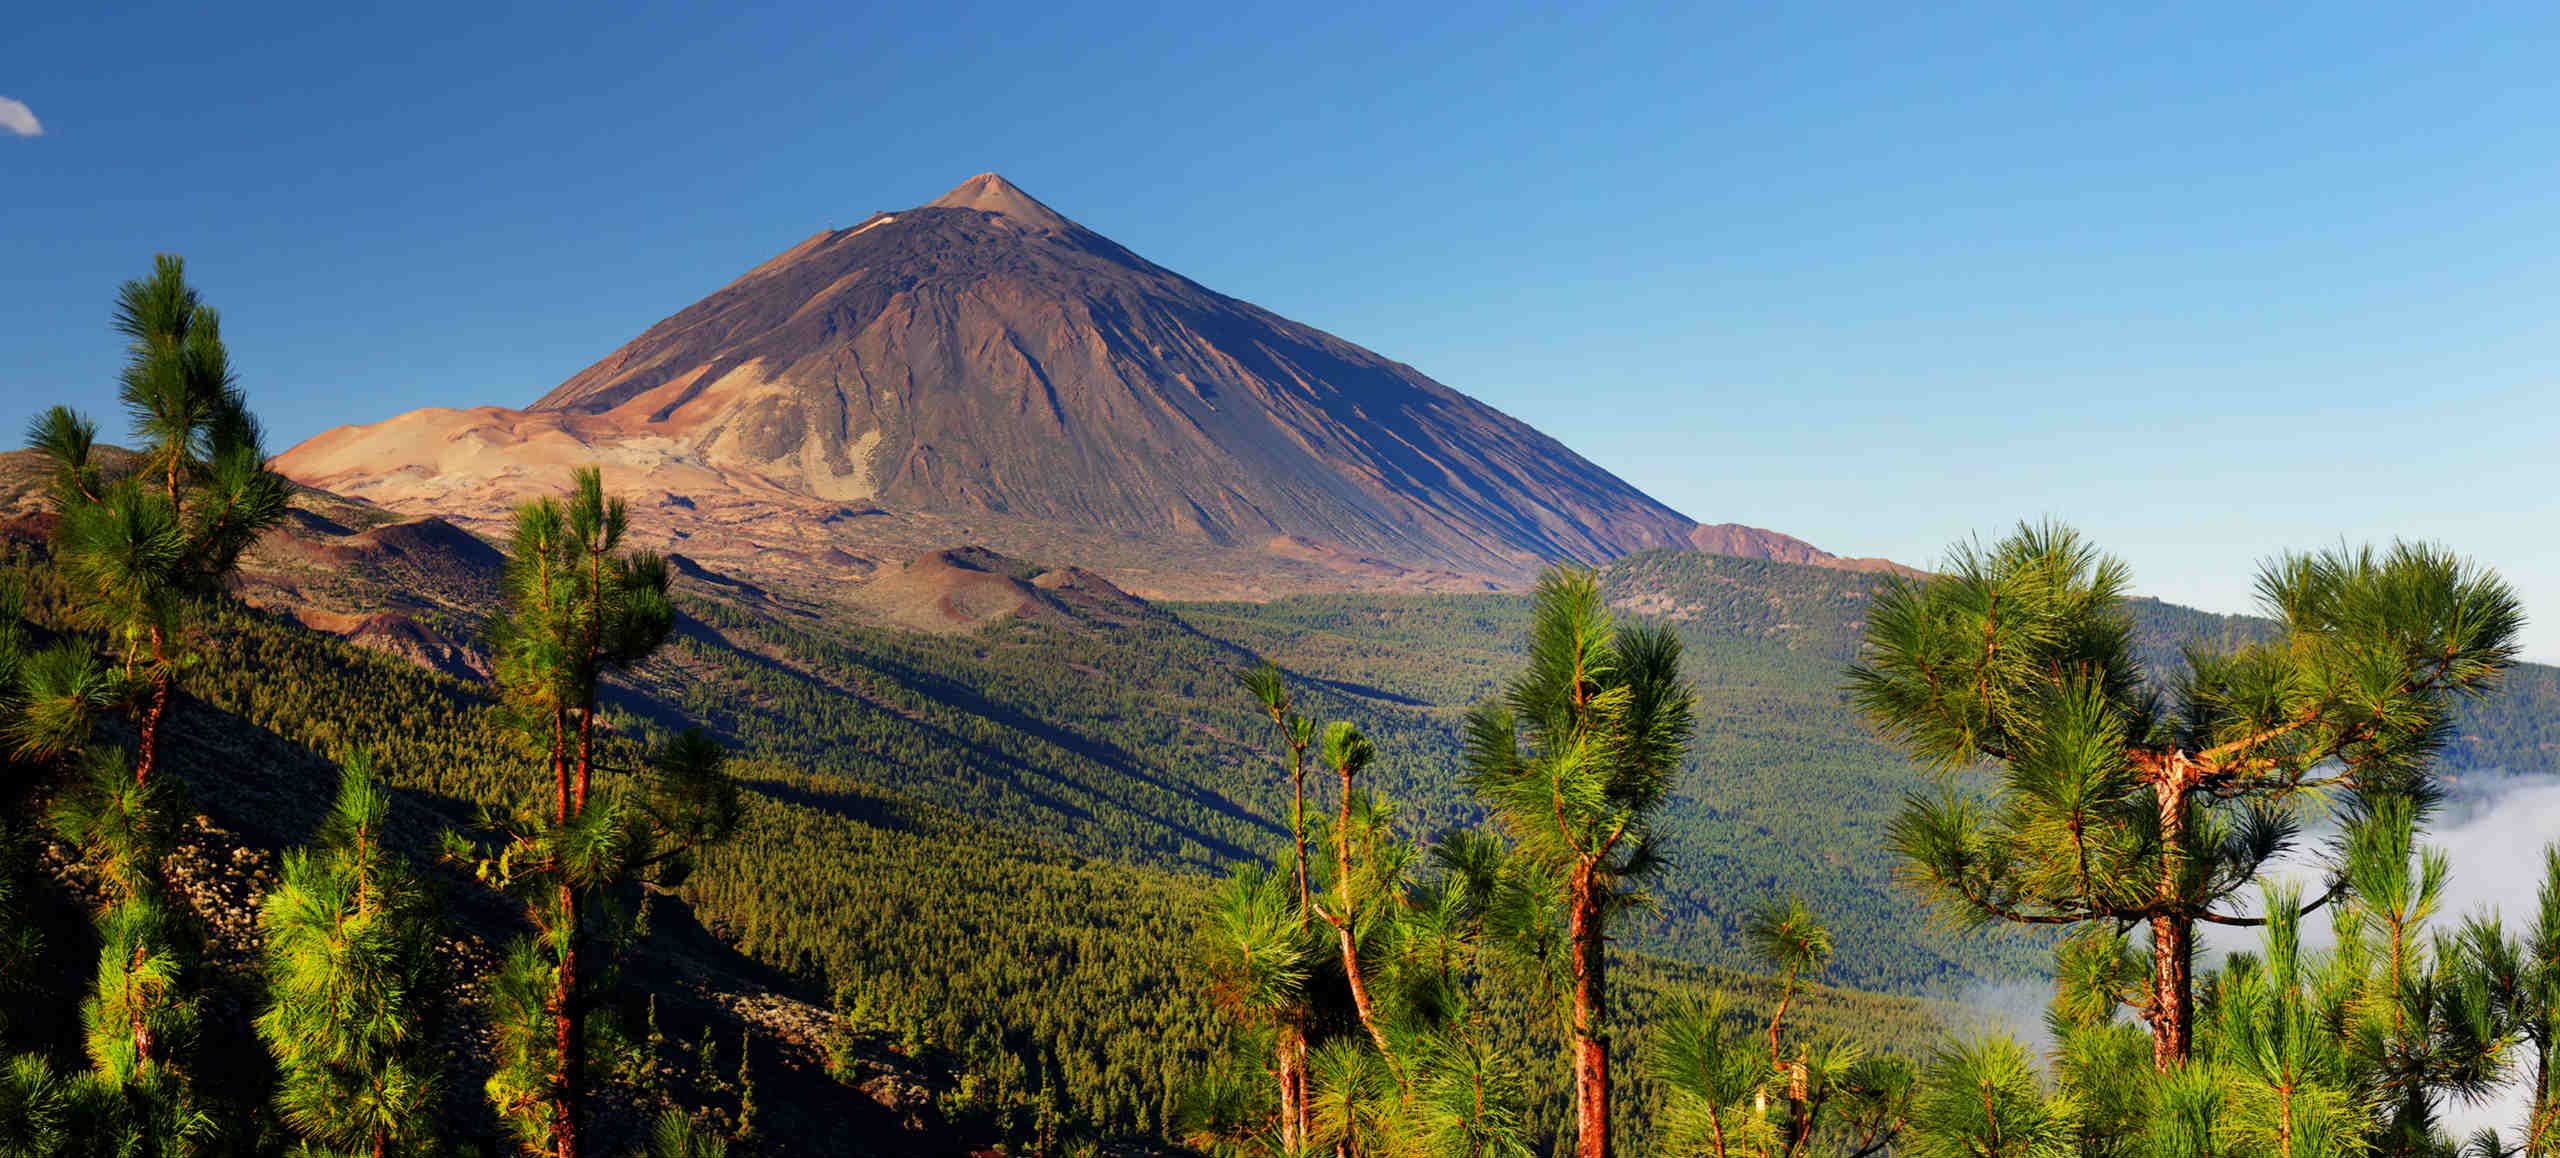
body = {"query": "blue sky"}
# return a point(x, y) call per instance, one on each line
point(2211, 282)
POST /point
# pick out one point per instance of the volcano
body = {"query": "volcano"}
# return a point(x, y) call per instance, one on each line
point(981, 368)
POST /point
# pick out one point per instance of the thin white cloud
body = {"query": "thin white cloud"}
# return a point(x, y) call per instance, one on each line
point(17, 120)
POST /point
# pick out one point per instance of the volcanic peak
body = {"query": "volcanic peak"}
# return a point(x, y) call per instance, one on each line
point(982, 368)
point(991, 193)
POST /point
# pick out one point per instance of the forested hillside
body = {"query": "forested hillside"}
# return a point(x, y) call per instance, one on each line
point(1123, 738)
point(912, 791)
point(987, 847)
point(968, 870)
point(1119, 736)
point(1039, 970)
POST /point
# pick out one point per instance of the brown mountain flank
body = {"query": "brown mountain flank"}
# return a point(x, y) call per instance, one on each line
point(983, 369)
point(421, 589)
point(1754, 543)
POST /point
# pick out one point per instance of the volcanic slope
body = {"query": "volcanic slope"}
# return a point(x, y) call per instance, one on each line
point(981, 369)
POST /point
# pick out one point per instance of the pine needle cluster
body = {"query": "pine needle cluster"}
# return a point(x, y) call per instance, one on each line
point(355, 990)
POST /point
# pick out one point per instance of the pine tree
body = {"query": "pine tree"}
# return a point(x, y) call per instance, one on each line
point(1874, 1104)
point(2157, 800)
point(137, 551)
point(1348, 753)
point(139, 547)
point(2355, 1050)
point(650, 1080)
point(1606, 720)
point(1787, 937)
point(354, 988)
point(1297, 734)
point(1260, 953)
point(1711, 1082)
point(138, 1018)
point(1980, 1097)
point(2281, 1045)
point(1412, 1072)
point(1465, 1102)
point(579, 607)
point(1718, 1084)
point(2425, 1021)
point(1355, 1108)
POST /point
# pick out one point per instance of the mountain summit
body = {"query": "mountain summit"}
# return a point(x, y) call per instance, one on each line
point(981, 366)
point(990, 193)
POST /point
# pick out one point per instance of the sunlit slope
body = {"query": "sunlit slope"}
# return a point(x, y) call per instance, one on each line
point(1786, 790)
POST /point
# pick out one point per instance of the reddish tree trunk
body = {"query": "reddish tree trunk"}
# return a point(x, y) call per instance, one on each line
point(2170, 998)
point(587, 708)
point(141, 1031)
point(1590, 1043)
point(1360, 1003)
point(1591, 1097)
point(1298, 826)
point(1293, 1043)
point(1351, 970)
point(1306, 1104)
point(1786, 996)
point(568, 1042)
point(586, 749)
point(152, 716)
point(148, 754)
point(573, 1039)
point(565, 1021)
point(1293, 1088)
point(559, 768)
point(2172, 932)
